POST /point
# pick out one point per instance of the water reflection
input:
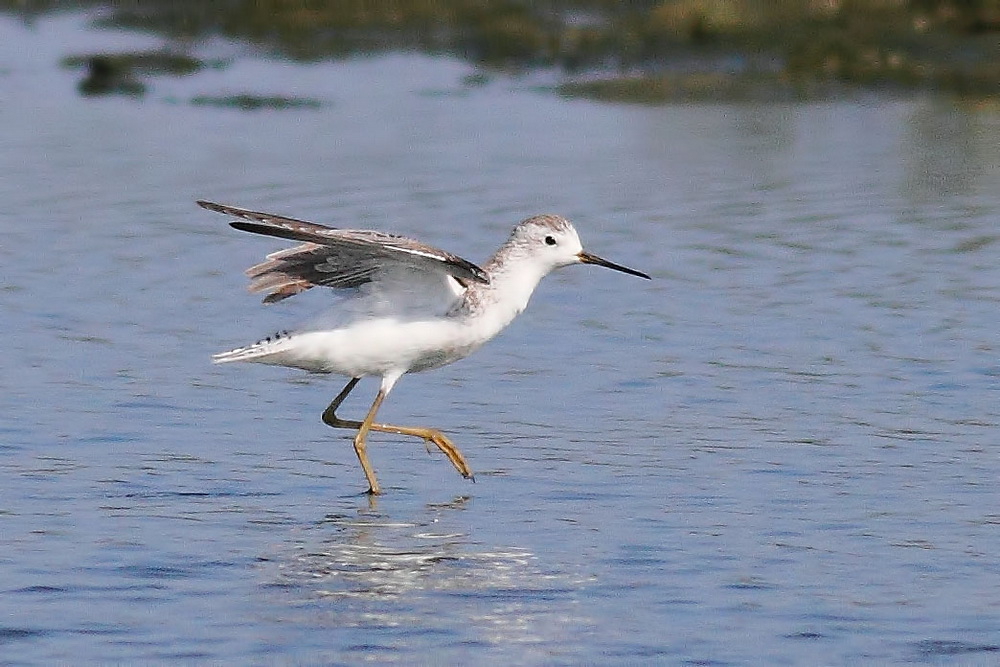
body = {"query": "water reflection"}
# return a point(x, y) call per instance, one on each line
point(369, 569)
point(947, 151)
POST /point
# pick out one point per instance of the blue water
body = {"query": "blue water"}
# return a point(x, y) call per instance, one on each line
point(783, 450)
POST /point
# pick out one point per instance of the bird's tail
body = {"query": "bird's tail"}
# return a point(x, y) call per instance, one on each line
point(263, 351)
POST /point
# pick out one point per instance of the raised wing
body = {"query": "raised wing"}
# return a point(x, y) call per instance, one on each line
point(337, 258)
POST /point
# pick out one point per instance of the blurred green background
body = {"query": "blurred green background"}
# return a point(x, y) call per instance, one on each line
point(641, 51)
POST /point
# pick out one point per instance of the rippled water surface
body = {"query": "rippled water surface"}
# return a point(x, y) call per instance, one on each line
point(782, 450)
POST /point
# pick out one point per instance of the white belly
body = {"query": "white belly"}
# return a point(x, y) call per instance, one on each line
point(376, 347)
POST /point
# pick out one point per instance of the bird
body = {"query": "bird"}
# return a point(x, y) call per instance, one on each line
point(407, 306)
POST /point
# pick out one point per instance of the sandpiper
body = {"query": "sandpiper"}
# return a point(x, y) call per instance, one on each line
point(410, 307)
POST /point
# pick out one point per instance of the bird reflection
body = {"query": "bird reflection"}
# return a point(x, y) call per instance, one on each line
point(370, 571)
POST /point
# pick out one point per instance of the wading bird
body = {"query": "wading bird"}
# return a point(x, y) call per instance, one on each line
point(410, 307)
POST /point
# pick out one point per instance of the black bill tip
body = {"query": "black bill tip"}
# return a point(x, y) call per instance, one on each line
point(589, 258)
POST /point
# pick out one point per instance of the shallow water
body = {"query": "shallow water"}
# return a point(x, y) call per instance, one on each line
point(780, 451)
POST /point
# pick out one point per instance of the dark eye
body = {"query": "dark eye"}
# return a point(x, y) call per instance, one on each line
point(550, 240)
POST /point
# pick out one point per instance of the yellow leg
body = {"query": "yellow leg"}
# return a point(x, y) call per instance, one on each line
point(436, 437)
point(439, 439)
point(331, 419)
point(359, 444)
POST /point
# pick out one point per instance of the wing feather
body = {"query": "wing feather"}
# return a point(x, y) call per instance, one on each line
point(338, 258)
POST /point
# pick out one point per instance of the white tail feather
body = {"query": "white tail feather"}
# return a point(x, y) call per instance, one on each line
point(259, 351)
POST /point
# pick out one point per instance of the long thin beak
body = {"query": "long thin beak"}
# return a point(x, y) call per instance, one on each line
point(588, 258)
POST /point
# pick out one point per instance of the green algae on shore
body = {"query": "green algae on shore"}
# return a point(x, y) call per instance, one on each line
point(613, 50)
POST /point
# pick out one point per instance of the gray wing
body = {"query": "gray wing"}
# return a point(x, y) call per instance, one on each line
point(338, 258)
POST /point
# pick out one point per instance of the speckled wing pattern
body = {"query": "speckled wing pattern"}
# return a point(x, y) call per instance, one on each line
point(337, 258)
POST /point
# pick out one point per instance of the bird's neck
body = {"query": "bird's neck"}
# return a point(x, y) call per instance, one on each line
point(513, 279)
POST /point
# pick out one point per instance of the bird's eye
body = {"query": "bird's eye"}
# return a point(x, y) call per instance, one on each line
point(550, 240)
